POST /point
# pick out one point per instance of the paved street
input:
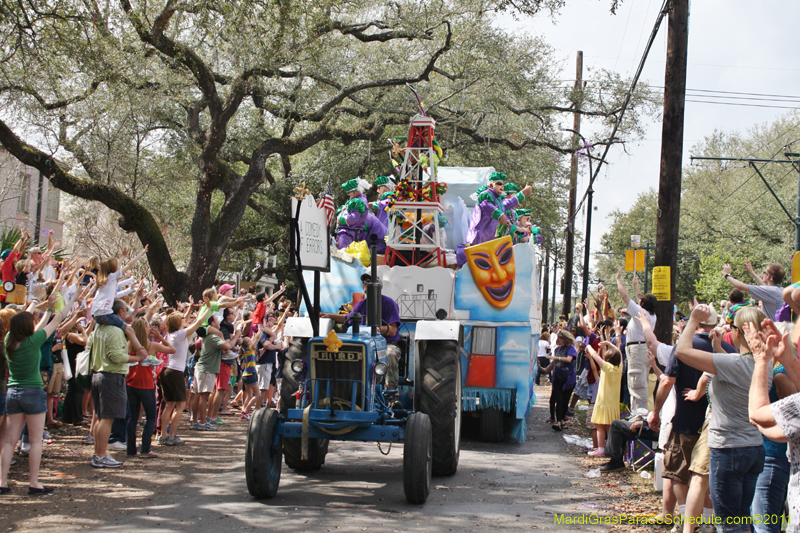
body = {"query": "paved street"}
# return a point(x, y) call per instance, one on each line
point(498, 487)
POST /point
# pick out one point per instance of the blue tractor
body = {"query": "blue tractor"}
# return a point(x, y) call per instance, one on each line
point(333, 388)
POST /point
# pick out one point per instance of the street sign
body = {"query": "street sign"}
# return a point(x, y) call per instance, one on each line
point(634, 260)
point(314, 245)
point(661, 283)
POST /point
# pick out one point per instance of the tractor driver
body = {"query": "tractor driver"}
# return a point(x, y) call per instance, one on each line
point(390, 316)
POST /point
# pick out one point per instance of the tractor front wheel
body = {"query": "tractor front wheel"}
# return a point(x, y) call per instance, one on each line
point(417, 458)
point(263, 455)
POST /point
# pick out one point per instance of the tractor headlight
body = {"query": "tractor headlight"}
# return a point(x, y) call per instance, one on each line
point(380, 369)
point(297, 366)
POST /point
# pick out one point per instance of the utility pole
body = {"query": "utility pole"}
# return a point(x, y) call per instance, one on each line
point(546, 291)
point(573, 185)
point(669, 184)
point(554, 318)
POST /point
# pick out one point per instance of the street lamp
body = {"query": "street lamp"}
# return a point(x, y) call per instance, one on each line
point(588, 238)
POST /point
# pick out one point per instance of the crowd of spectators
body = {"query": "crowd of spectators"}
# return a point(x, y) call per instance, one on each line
point(720, 401)
point(85, 343)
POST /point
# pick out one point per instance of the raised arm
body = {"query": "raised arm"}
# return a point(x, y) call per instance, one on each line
point(698, 359)
point(749, 266)
point(198, 322)
point(726, 272)
point(636, 289)
point(163, 345)
point(649, 336)
point(623, 292)
point(129, 265)
point(582, 308)
point(759, 405)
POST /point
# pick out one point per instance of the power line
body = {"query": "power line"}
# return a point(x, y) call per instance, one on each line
point(661, 14)
point(739, 211)
point(742, 104)
point(754, 174)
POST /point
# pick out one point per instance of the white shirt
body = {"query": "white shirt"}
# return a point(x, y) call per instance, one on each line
point(49, 273)
point(177, 360)
point(104, 298)
point(543, 345)
point(635, 333)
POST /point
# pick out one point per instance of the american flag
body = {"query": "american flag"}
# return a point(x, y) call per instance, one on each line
point(326, 203)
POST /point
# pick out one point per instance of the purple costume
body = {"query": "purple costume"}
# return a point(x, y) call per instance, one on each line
point(488, 209)
point(390, 314)
point(380, 208)
point(360, 225)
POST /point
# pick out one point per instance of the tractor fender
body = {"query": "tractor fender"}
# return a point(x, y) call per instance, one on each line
point(300, 327)
point(438, 330)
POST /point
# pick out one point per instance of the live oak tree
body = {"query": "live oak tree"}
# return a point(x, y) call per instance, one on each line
point(183, 117)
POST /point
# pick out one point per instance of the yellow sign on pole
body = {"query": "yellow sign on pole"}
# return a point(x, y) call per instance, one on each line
point(661, 283)
point(796, 267)
point(634, 260)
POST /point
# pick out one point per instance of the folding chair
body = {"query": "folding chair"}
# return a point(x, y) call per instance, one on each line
point(641, 452)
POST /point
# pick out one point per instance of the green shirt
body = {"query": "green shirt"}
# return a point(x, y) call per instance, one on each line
point(211, 354)
point(204, 308)
point(23, 363)
point(109, 350)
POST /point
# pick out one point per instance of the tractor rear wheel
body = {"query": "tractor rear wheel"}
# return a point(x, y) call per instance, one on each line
point(417, 458)
point(491, 425)
point(262, 460)
point(439, 380)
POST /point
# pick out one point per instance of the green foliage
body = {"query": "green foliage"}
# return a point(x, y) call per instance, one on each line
point(727, 213)
point(195, 109)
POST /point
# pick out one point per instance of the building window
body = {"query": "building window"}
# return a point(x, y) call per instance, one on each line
point(23, 192)
point(53, 198)
point(484, 341)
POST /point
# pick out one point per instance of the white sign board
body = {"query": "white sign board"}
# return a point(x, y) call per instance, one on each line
point(314, 244)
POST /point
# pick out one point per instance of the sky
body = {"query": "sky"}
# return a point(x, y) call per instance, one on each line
point(734, 45)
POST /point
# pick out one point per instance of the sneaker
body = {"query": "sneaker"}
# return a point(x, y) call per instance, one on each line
point(612, 466)
point(150, 361)
point(176, 441)
point(706, 528)
point(570, 411)
point(244, 416)
point(597, 452)
point(219, 422)
point(206, 427)
point(24, 448)
point(88, 440)
point(105, 462)
point(164, 441)
point(117, 446)
point(194, 425)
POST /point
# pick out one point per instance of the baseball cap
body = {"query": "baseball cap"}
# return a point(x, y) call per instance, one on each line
point(366, 278)
point(225, 288)
point(712, 319)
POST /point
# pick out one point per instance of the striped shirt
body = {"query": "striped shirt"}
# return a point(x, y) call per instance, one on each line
point(248, 362)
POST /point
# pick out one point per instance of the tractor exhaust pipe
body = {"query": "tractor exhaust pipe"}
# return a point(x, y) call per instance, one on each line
point(373, 291)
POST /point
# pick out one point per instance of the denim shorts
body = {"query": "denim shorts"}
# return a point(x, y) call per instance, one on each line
point(250, 379)
point(110, 320)
point(2, 403)
point(26, 400)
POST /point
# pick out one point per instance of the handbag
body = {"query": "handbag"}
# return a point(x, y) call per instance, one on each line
point(83, 369)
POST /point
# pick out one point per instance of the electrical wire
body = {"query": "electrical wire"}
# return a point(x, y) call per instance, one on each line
point(754, 174)
point(739, 211)
point(661, 14)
